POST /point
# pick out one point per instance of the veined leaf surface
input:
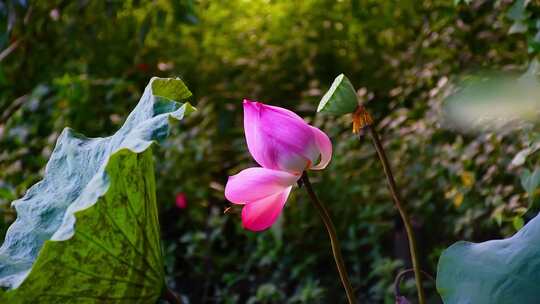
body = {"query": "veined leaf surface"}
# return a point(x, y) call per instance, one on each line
point(88, 232)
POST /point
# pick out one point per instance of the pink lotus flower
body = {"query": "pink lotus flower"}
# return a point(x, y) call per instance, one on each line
point(284, 145)
point(181, 200)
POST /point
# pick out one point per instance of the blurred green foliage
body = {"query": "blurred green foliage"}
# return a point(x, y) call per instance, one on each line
point(83, 63)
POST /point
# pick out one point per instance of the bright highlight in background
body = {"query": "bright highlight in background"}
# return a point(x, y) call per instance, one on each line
point(495, 104)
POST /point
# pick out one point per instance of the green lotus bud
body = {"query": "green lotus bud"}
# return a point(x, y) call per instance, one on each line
point(340, 99)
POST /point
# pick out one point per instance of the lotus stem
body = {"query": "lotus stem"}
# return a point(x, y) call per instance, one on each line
point(336, 249)
point(361, 115)
point(401, 275)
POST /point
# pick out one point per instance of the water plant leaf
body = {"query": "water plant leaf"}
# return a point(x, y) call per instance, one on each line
point(493, 272)
point(89, 232)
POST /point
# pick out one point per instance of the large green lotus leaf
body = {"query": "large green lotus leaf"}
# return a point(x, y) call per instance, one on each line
point(494, 272)
point(88, 232)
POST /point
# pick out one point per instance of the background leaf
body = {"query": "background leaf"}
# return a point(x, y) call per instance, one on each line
point(530, 182)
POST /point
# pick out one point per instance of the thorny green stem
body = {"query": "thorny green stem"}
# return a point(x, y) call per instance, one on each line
point(170, 297)
point(404, 216)
point(336, 249)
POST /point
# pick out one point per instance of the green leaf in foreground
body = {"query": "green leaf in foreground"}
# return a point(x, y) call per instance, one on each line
point(494, 272)
point(88, 232)
point(340, 99)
